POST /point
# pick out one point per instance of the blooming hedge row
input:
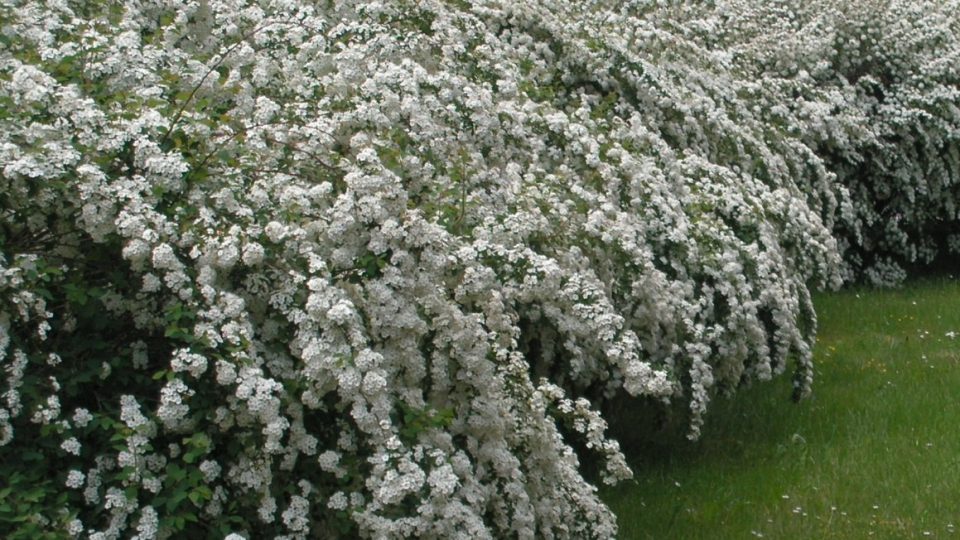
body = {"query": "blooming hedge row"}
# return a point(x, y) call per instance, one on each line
point(874, 89)
point(287, 269)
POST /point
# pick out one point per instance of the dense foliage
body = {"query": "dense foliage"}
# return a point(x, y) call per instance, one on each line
point(274, 268)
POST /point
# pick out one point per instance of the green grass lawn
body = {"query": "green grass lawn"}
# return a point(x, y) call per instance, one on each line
point(874, 453)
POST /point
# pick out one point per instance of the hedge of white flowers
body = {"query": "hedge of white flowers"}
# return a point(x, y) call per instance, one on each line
point(290, 269)
point(873, 88)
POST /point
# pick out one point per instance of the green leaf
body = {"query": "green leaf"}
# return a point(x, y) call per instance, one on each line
point(76, 295)
point(175, 500)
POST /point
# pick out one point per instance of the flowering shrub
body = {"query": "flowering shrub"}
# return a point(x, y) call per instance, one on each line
point(274, 268)
point(872, 88)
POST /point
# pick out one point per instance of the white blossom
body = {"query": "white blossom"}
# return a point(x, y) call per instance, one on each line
point(81, 417)
point(75, 479)
point(148, 524)
point(210, 469)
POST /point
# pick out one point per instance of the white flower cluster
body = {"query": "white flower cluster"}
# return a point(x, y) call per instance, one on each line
point(371, 268)
point(872, 88)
